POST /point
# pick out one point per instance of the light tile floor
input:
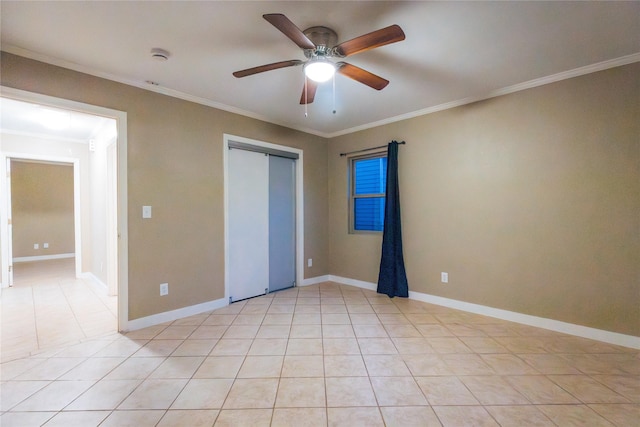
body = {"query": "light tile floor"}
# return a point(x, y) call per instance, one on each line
point(48, 307)
point(327, 355)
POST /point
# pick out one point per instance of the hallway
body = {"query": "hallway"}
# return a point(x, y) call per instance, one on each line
point(48, 307)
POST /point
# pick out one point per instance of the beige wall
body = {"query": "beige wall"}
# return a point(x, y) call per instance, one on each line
point(175, 165)
point(530, 201)
point(42, 208)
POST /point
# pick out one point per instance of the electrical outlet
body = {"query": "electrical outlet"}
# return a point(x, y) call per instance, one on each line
point(45, 246)
point(310, 262)
point(146, 212)
point(444, 277)
point(164, 289)
point(36, 246)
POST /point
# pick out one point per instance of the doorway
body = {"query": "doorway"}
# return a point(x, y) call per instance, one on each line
point(43, 209)
point(263, 217)
point(100, 224)
point(41, 204)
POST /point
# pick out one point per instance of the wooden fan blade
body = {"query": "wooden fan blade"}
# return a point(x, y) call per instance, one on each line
point(362, 76)
point(267, 67)
point(289, 29)
point(372, 40)
point(310, 93)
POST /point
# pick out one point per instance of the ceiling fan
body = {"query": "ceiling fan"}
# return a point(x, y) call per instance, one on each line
point(319, 46)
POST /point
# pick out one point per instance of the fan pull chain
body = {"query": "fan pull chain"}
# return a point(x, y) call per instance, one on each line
point(306, 100)
point(334, 93)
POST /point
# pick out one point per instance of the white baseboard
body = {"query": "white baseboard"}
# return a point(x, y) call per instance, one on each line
point(354, 282)
point(338, 279)
point(512, 316)
point(315, 280)
point(89, 275)
point(539, 322)
point(170, 316)
point(42, 257)
point(525, 319)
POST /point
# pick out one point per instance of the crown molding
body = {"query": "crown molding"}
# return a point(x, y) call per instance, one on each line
point(564, 75)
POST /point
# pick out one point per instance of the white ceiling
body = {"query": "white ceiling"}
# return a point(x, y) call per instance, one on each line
point(454, 52)
point(44, 121)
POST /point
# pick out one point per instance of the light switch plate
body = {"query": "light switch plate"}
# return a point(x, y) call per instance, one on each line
point(146, 212)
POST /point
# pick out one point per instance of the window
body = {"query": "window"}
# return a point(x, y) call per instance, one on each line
point(368, 183)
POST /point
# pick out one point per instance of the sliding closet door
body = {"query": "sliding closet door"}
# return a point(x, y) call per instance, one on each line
point(248, 208)
point(282, 221)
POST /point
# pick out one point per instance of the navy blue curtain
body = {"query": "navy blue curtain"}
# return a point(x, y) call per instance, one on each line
point(392, 279)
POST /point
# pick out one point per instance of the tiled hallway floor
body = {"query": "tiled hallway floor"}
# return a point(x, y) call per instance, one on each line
point(323, 355)
point(47, 307)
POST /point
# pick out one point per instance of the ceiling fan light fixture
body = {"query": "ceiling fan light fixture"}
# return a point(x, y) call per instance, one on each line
point(319, 69)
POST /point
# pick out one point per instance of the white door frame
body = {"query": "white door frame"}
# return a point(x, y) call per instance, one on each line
point(122, 225)
point(8, 236)
point(112, 217)
point(299, 204)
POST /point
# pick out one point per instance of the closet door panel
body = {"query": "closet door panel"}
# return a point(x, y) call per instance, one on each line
point(282, 223)
point(248, 210)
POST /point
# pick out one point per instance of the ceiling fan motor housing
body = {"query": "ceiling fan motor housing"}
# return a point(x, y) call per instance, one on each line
point(324, 38)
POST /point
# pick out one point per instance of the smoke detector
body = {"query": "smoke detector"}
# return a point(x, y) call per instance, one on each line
point(159, 54)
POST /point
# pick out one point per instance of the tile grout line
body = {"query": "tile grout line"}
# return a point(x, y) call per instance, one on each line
point(404, 311)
